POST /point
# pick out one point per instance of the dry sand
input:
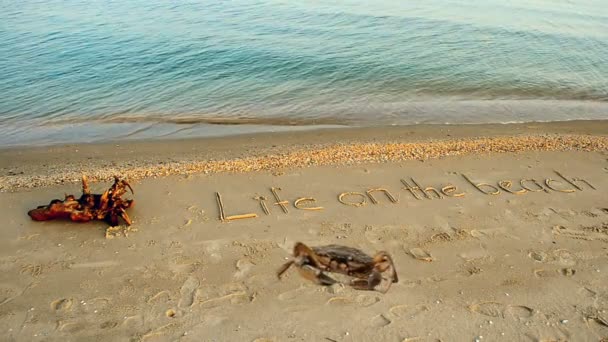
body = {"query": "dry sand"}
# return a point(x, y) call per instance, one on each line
point(505, 267)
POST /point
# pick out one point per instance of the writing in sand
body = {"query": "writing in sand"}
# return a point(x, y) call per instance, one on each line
point(414, 190)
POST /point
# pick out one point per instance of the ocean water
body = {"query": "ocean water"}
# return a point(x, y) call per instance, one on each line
point(86, 71)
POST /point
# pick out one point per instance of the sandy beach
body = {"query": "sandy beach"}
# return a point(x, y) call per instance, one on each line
point(498, 233)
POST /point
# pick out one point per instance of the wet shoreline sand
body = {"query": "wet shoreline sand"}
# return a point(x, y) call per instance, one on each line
point(275, 151)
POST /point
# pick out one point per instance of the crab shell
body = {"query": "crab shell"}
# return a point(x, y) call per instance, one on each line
point(367, 271)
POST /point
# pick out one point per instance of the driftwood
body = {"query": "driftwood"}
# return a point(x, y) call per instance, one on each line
point(108, 206)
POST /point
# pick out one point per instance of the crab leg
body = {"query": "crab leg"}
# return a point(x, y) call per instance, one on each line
point(378, 260)
point(374, 279)
point(284, 268)
point(316, 275)
point(300, 250)
point(308, 264)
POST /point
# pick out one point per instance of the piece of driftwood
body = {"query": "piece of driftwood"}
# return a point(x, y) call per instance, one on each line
point(109, 206)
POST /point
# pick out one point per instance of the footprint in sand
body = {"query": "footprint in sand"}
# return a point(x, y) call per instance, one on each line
point(232, 294)
point(421, 254)
point(538, 256)
point(71, 326)
point(184, 264)
point(545, 273)
point(361, 300)
point(291, 294)
point(491, 309)
point(564, 257)
point(243, 267)
point(520, 311)
point(380, 321)
point(567, 272)
point(158, 332)
point(108, 325)
point(495, 309)
point(133, 322)
point(63, 304)
point(187, 292)
point(237, 297)
point(408, 310)
point(161, 297)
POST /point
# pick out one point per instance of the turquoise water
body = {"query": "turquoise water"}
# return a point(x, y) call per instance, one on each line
point(82, 71)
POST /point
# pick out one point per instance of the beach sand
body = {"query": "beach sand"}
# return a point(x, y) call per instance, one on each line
point(518, 265)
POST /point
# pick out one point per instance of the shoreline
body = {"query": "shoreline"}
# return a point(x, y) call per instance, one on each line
point(278, 151)
point(149, 126)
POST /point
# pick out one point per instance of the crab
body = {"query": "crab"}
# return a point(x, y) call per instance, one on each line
point(108, 206)
point(367, 271)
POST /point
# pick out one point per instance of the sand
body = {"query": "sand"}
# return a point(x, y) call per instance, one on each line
point(515, 266)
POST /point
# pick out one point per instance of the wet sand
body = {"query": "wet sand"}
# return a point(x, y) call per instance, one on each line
point(43, 166)
point(526, 263)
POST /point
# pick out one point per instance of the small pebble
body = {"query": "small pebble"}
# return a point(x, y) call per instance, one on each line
point(564, 321)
